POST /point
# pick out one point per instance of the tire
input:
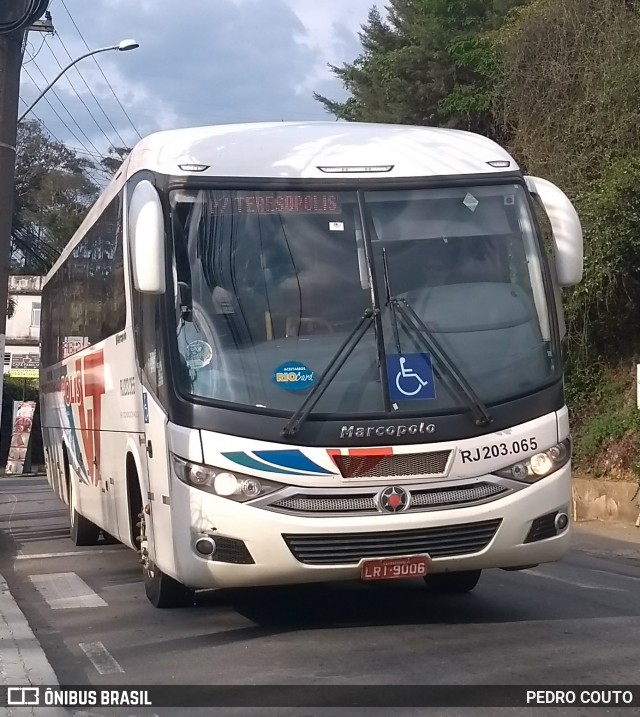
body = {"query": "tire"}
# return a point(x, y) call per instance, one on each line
point(452, 583)
point(108, 539)
point(83, 531)
point(165, 592)
point(161, 589)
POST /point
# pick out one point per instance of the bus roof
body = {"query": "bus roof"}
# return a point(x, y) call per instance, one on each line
point(304, 150)
point(315, 150)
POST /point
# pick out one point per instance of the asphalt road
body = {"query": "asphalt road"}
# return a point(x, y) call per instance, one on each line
point(573, 622)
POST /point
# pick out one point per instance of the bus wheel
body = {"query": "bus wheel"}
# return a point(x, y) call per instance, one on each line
point(162, 590)
point(83, 531)
point(453, 583)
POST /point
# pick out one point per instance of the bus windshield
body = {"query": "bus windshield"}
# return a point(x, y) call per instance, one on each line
point(269, 284)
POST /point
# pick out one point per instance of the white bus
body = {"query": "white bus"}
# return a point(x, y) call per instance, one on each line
point(282, 353)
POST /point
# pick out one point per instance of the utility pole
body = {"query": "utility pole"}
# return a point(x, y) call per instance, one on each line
point(10, 65)
point(15, 17)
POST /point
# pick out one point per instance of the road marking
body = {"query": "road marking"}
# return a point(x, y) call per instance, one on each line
point(575, 583)
point(66, 590)
point(101, 658)
point(616, 575)
point(71, 553)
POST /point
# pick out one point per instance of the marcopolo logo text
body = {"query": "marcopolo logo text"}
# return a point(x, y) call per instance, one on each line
point(415, 429)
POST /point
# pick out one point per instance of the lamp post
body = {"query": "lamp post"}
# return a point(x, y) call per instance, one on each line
point(123, 46)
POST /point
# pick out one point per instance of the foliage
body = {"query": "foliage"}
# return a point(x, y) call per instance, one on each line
point(569, 88)
point(607, 442)
point(110, 164)
point(54, 190)
point(14, 389)
point(558, 83)
point(610, 211)
point(431, 62)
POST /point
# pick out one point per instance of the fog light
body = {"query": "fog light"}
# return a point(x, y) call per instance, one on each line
point(206, 546)
point(561, 521)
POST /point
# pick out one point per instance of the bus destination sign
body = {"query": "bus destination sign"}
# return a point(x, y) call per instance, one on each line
point(275, 203)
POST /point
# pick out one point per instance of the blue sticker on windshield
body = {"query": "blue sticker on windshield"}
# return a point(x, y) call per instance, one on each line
point(294, 376)
point(410, 377)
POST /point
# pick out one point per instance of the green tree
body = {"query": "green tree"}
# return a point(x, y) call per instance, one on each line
point(54, 191)
point(110, 164)
point(569, 89)
point(431, 62)
point(570, 95)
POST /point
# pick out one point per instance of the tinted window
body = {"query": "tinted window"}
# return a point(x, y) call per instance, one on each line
point(84, 302)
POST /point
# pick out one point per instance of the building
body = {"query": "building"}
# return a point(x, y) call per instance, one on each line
point(22, 346)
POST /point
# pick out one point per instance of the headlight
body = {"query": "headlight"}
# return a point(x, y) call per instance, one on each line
point(225, 484)
point(540, 465)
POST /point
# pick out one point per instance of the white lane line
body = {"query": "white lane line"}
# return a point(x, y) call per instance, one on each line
point(101, 658)
point(615, 575)
point(66, 590)
point(575, 583)
point(71, 553)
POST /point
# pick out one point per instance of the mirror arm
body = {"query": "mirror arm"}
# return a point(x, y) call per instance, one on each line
point(186, 301)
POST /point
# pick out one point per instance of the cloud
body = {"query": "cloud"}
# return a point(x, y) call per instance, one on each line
point(199, 62)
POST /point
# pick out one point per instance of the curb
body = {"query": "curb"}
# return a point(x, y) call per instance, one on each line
point(23, 475)
point(22, 659)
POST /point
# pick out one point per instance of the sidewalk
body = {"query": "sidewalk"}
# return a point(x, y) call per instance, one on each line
point(22, 659)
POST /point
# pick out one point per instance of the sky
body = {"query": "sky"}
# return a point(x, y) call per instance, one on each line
point(199, 62)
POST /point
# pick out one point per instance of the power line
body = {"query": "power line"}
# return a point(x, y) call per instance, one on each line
point(64, 5)
point(53, 136)
point(54, 92)
point(93, 155)
point(77, 69)
point(57, 139)
point(33, 57)
point(73, 87)
point(46, 99)
point(33, 10)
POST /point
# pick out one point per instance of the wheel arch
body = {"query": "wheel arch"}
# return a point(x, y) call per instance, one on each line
point(134, 490)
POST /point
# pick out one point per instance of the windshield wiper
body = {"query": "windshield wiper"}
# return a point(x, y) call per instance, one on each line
point(448, 366)
point(335, 364)
point(456, 379)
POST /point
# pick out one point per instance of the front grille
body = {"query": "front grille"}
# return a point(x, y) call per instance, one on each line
point(542, 528)
point(400, 465)
point(365, 502)
point(350, 548)
point(456, 496)
point(327, 504)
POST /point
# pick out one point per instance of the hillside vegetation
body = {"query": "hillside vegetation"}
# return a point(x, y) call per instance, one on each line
point(557, 82)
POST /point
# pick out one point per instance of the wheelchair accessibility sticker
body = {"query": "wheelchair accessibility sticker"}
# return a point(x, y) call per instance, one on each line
point(410, 377)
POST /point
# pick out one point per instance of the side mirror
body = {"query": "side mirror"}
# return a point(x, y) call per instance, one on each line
point(146, 238)
point(567, 230)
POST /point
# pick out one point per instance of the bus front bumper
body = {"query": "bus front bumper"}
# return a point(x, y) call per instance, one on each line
point(260, 547)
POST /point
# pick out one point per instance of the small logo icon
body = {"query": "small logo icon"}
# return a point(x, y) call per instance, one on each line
point(393, 499)
point(23, 696)
point(294, 376)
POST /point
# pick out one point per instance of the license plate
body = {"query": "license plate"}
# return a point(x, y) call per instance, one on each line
point(413, 566)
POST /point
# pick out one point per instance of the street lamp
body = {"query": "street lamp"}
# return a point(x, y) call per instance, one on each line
point(123, 46)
